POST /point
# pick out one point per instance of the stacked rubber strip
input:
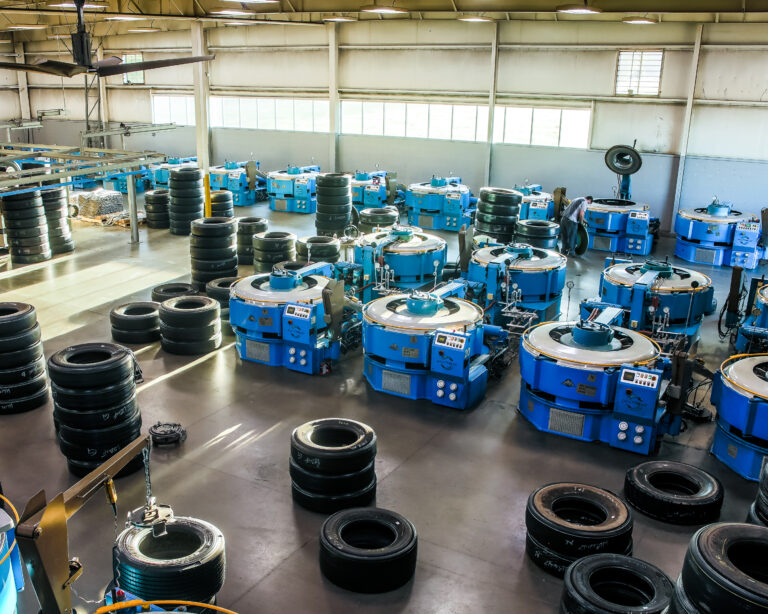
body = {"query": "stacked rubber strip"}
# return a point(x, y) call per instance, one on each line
point(23, 382)
point(218, 290)
point(246, 228)
point(498, 210)
point(724, 571)
point(26, 228)
point(213, 250)
point(334, 203)
point(171, 290)
point(190, 325)
point(269, 248)
point(332, 465)
point(156, 205)
point(222, 204)
point(57, 218)
point(318, 249)
point(567, 521)
point(380, 218)
point(187, 198)
point(135, 322)
point(96, 412)
point(758, 512)
point(537, 233)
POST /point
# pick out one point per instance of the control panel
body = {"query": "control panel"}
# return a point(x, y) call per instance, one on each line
point(538, 205)
point(640, 378)
point(298, 311)
point(639, 215)
point(451, 341)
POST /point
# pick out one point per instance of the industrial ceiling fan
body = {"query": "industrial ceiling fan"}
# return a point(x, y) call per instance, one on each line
point(83, 64)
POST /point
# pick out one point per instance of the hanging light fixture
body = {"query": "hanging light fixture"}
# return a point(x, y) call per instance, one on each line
point(476, 19)
point(383, 9)
point(640, 20)
point(578, 9)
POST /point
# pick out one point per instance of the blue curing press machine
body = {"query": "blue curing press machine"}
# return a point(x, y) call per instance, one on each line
point(654, 296)
point(593, 381)
point(536, 204)
point(11, 575)
point(294, 189)
point(740, 394)
point(294, 317)
point(369, 189)
point(442, 203)
point(243, 179)
point(430, 346)
point(748, 321)
point(160, 174)
point(719, 235)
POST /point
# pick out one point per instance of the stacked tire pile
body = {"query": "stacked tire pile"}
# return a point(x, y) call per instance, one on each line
point(190, 325)
point(498, 210)
point(156, 205)
point(213, 250)
point(246, 228)
point(567, 521)
point(318, 249)
point(57, 218)
point(758, 512)
point(222, 204)
point(332, 465)
point(23, 382)
point(724, 571)
point(272, 247)
point(334, 203)
point(378, 218)
point(171, 290)
point(218, 290)
point(135, 322)
point(187, 198)
point(26, 228)
point(95, 408)
point(537, 233)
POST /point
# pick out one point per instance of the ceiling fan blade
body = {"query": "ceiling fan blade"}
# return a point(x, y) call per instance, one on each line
point(120, 69)
point(110, 61)
point(48, 67)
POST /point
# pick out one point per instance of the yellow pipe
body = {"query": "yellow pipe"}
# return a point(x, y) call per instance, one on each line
point(207, 189)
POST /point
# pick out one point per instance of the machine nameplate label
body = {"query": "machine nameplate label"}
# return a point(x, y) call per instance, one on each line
point(451, 341)
point(640, 378)
point(410, 352)
point(265, 322)
point(587, 391)
point(733, 451)
point(255, 350)
point(399, 383)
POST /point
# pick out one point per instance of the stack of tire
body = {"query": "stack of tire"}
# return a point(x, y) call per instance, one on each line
point(758, 512)
point(222, 204)
point(187, 198)
point(23, 382)
point(537, 233)
point(96, 412)
point(218, 290)
point(378, 218)
point(246, 228)
point(567, 521)
point(332, 465)
point(57, 218)
point(272, 247)
point(135, 322)
point(171, 290)
point(190, 325)
point(498, 210)
point(156, 203)
point(213, 250)
point(26, 228)
point(724, 571)
point(318, 249)
point(334, 203)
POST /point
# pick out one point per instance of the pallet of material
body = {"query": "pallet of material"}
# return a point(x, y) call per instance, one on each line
point(112, 219)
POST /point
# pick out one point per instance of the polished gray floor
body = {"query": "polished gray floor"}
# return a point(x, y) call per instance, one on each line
point(461, 477)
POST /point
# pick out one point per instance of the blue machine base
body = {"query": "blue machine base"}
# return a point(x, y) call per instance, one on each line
point(701, 253)
point(740, 456)
point(293, 205)
point(620, 242)
point(438, 221)
point(288, 354)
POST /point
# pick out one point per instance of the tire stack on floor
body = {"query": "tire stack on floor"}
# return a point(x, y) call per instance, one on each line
point(318, 249)
point(332, 465)
point(23, 382)
point(171, 290)
point(135, 322)
point(218, 290)
point(187, 198)
point(567, 521)
point(724, 571)
point(537, 233)
point(57, 217)
point(156, 205)
point(246, 228)
point(26, 228)
point(96, 412)
point(190, 325)
point(222, 204)
point(272, 247)
point(758, 512)
point(213, 250)
point(378, 218)
point(334, 203)
point(498, 210)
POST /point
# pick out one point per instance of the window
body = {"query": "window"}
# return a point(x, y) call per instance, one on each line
point(542, 126)
point(638, 73)
point(270, 114)
point(137, 76)
point(173, 109)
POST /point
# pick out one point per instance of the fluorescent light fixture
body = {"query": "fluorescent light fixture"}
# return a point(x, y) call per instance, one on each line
point(381, 9)
point(71, 5)
point(139, 30)
point(59, 36)
point(238, 23)
point(5, 40)
point(641, 20)
point(578, 9)
point(232, 12)
point(476, 19)
point(26, 26)
point(339, 18)
point(122, 18)
point(254, 1)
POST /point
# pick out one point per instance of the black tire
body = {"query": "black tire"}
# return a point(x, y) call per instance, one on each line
point(21, 340)
point(333, 180)
point(178, 229)
point(674, 492)
point(43, 248)
point(189, 311)
point(245, 259)
point(135, 337)
point(326, 219)
point(16, 375)
point(95, 397)
point(333, 201)
point(547, 559)
point(497, 230)
point(27, 213)
point(19, 390)
point(214, 265)
point(63, 248)
point(615, 584)
point(537, 229)
point(83, 468)
point(323, 192)
point(495, 219)
point(754, 517)
point(498, 209)
point(368, 550)
point(327, 209)
point(273, 257)
point(32, 258)
point(89, 364)
point(152, 207)
point(98, 418)
point(186, 173)
point(138, 316)
point(623, 160)
point(189, 348)
point(165, 225)
point(99, 452)
point(201, 278)
point(31, 233)
point(192, 333)
point(501, 196)
point(107, 435)
point(252, 225)
point(274, 241)
point(384, 216)
point(159, 196)
point(319, 247)
point(16, 318)
point(211, 242)
point(214, 253)
point(214, 227)
point(23, 404)
point(330, 503)
point(681, 603)
point(334, 446)
point(171, 290)
point(218, 289)
point(12, 207)
point(13, 224)
point(221, 196)
point(321, 483)
point(11, 360)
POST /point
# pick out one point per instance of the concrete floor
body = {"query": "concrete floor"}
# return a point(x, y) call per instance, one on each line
point(461, 477)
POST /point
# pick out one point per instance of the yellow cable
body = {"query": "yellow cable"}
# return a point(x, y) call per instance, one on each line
point(730, 381)
point(16, 516)
point(141, 603)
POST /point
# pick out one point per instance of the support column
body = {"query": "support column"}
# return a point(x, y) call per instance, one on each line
point(333, 95)
point(492, 101)
point(132, 210)
point(687, 124)
point(103, 102)
point(202, 92)
point(21, 76)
